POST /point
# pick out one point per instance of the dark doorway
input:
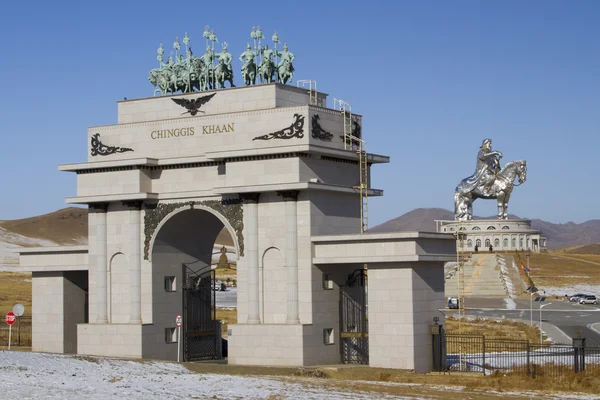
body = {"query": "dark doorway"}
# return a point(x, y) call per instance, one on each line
point(354, 329)
point(201, 331)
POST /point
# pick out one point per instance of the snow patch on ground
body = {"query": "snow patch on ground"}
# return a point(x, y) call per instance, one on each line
point(570, 289)
point(10, 243)
point(506, 279)
point(510, 304)
point(57, 376)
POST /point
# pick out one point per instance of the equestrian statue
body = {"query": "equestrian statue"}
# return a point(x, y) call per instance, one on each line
point(488, 182)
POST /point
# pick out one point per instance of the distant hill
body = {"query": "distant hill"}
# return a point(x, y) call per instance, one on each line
point(588, 249)
point(65, 227)
point(557, 235)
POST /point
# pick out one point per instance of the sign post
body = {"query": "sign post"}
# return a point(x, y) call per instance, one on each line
point(178, 322)
point(10, 320)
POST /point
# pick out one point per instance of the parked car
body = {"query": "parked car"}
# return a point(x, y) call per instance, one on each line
point(576, 297)
point(452, 302)
point(588, 300)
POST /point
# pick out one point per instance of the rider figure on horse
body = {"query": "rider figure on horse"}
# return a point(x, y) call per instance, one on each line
point(285, 55)
point(207, 59)
point(247, 56)
point(226, 57)
point(266, 54)
point(488, 165)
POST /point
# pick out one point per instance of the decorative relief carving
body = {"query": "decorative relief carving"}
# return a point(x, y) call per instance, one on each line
point(103, 150)
point(318, 132)
point(295, 130)
point(193, 105)
point(230, 209)
point(356, 132)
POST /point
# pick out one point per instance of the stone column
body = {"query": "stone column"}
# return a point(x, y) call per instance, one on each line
point(251, 253)
point(135, 262)
point(291, 254)
point(101, 264)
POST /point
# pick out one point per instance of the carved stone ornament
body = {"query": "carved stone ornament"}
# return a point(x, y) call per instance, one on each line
point(193, 105)
point(230, 209)
point(99, 149)
point(296, 130)
point(356, 132)
point(318, 132)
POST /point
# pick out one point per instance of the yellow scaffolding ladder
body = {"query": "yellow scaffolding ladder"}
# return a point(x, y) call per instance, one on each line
point(363, 185)
point(312, 89)
point(352, 142)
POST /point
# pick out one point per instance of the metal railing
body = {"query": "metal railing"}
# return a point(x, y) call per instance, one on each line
point(486, 355)
point(21, 333)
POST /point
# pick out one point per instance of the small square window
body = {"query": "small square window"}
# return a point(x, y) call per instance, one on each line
point(170, 335)
point(328, 336)
point(327, 283)
point(170, 284)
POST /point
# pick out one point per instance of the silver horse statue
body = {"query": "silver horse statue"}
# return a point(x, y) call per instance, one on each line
point(488, 182)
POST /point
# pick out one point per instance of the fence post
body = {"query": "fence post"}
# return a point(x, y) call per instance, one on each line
point(578, 354)
point(528, 360)
point(436, 336)
point(483, 351)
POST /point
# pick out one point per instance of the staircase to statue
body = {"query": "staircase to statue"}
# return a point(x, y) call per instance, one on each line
point(483, 278)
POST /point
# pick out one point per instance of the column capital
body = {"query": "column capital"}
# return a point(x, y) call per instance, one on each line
point(133, 205)
point(289, 195)
point(98, 207)
point(249, 198)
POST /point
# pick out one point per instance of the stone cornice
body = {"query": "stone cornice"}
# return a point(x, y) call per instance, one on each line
point(294, 108)
point(276, 85)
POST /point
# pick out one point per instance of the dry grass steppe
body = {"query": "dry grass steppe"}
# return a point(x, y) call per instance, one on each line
point(497, 329)
point(15, 288)
point(555, 269)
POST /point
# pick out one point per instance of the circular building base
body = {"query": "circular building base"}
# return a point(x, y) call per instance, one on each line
point(502, 235)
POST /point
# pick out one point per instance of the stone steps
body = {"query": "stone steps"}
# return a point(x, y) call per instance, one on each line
point(482, 278)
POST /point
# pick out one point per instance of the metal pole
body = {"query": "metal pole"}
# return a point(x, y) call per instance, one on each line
point(530, 309)
point(540, 323)
point(178, 342)
point(9, 335)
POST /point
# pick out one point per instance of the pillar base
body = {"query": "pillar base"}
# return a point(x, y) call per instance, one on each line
point(278, 344)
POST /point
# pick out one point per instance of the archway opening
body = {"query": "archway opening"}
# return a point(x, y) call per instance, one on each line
point(184, 281)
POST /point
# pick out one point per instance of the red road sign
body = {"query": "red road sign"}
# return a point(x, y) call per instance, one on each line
point(178, 320)
point(10, 318)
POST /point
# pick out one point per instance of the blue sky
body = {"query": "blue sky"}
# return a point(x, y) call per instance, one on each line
point(432, 79)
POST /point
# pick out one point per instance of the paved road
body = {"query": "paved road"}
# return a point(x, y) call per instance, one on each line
point(568, 317)
point(227, 298)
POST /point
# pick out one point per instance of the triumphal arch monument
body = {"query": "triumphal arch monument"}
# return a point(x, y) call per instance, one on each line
point(287, 175)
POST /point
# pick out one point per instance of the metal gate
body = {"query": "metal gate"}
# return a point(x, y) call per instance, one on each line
point(354, 329)
point(201, 330)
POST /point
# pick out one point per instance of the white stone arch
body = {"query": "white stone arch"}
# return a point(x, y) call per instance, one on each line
point(188, 207)
point(262, 257)
point(276, 311)
point(112, 287)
